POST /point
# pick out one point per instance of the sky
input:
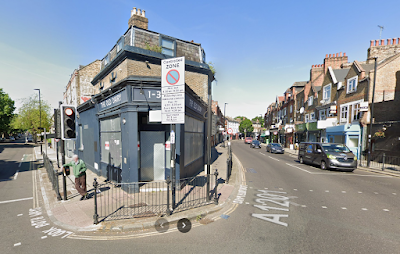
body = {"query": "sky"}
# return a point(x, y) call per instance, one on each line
point(258, 48)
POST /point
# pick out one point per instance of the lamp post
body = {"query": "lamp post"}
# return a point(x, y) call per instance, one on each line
point(372, 115)
point(259, 137)
point(40, 116)
point(223, 145)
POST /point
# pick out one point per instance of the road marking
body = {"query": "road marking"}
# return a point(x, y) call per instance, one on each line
point(364, 209)
point(16, 175)
point(295, 189)
point(273, 158)
point(44, 237)
point(303, 206)
point(344, 208)
point(302, 169)
point(241, 195)
point(386, 210)
point(343, 191)
point(20, 214)
point(20, 164)
point(360, 192)
point(15, 200)
point(376, 193)
point(326, 191)
point(324, 207)
point(394, 193)
point(17, 244)
point(311, 190)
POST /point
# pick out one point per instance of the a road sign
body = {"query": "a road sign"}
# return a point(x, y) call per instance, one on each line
point(173, 90)
point(230, 131)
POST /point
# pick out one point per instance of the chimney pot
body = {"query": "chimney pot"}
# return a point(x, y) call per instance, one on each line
point(133, 12)
point(329, 55)
point(398, 40)
point(376, 42)
point(312, 66)
point(143, 13)
point(344, 54)
point(340, 53)
point(372, 44)
point(337, 54)
point(393, 41)
point(382, 42)
point(388, 41)
point(326, 56)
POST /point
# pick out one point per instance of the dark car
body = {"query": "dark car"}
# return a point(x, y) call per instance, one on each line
point(328, 155)
point(255, 144)
point(275, 148)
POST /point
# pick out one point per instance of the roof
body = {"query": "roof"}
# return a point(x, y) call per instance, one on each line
point(367, 67)
point(281, 98)
point(340, 74)
point(299, 83)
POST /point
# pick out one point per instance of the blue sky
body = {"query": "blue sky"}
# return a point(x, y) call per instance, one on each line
point(259, 48)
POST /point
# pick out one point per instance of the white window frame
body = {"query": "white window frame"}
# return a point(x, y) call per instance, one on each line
point(307, 118)
point(312, 116)
point(173, 49)
point(291, 108)
point(352, 84)
point(310, 100)
point(324, 95)
point(344, 110)
point(355, 110)
point(284, 112)
point(120, 44)
point(322, 114)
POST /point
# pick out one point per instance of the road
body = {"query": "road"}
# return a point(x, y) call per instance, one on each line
point(284, 207)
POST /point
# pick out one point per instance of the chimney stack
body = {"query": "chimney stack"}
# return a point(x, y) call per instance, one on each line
point(138, 19)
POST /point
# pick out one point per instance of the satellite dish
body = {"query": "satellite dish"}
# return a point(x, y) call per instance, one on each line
point(301, 110)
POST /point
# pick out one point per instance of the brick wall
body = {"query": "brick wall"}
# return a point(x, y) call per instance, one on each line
point(383, 49)
point(189, 51)
point(85, 76)
point(142, 37)
point(335, 60)
point(387, 80)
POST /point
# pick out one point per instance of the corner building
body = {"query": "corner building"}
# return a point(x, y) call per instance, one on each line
point(120, 135)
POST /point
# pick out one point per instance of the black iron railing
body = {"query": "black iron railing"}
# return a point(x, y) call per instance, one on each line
point(381, 162)
point(52, 174)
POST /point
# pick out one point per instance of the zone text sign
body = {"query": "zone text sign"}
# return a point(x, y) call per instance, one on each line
point(173, 90)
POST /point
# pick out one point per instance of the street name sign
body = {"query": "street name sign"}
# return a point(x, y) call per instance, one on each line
point(173, 91)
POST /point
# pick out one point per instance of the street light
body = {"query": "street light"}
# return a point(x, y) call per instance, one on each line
point(40, 121)
point(372, 116)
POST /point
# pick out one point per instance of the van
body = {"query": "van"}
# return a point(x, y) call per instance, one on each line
point(327, 155)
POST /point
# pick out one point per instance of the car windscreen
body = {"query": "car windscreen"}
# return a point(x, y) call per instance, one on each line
point(256, 142)
point(276, 145)
point(336, 148)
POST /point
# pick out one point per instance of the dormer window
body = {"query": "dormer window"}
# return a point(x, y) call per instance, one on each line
point(120, 44)
point(168, 46)
point(352, 84)
point(310, 100)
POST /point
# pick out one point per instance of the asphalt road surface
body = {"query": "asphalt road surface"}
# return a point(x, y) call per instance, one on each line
point(284, 207)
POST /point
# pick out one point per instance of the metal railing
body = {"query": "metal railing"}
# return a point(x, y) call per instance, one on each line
point(146, 199)
point(381, 162)
point(52, 174)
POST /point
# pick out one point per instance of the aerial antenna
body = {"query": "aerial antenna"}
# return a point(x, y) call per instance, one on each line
point(380, 33)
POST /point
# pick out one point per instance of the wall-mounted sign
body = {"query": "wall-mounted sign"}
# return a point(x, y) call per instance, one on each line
point(112, 101)
point(146, 94)
point(364, 106)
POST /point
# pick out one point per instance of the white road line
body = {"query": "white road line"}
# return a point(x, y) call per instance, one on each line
point(299, 168)
point(273, 158)
point(303, 206)
point(311, 190)
point(394, 193)
point(343, 191)
point(44, 237)
point(247, 203)
point(262, 153)
point(376, 193)
point(281, 188)
point(326, 191)
point(15, 200)
point(17, 244)
point(386, 210)
point(344, 208)
point(295, 189)
point(324, 207)
point(364, 209)
point(20, 214)
point(20, 164)
point(360, 192)
point(16, 175)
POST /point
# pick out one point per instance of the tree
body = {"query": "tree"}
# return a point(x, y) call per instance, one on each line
point(246, 125)
point(260, 120)
point(29, 116)
point(6, 112)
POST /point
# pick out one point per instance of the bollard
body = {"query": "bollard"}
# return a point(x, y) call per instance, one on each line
point(383, 161)
point(169, 212)
point(216, 187)
point(95, 215)
point(227, 171)
point(64, 185)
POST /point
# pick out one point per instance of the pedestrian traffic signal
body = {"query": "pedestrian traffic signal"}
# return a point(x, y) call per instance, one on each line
point(68, 122)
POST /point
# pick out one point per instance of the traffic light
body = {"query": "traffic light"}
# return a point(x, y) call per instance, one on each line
point(68, 122)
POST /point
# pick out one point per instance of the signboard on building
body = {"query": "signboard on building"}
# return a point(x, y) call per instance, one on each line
point(173, 91)
point(332, 109)
point(112, 101)
point(364, 106)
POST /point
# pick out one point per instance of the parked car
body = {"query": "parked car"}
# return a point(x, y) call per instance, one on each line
point(327, 155)
point(248, 140)
point(255, 144)
point(30, 139)
point(11, 138)
point(2, 139)
point(275, 148)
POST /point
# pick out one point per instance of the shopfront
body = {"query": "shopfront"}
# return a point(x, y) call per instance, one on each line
point(348, 134)
point(120, 135)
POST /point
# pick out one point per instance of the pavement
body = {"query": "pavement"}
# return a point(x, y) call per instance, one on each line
point(77, 216)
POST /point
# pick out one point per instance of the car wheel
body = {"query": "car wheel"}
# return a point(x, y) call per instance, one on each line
point(323, 165)
point(301, 160)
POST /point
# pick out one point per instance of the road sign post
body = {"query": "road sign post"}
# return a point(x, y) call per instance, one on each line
point(173, 105)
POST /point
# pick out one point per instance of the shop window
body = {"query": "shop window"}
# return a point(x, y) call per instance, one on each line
point(322, 115)
point(356, 111)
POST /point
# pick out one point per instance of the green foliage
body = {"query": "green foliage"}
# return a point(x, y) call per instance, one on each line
point(240, 118)
point(6, 112)
point(246, 125)
point(29, 116)
point(260, 120)
point(212, 67)
point(154, 48)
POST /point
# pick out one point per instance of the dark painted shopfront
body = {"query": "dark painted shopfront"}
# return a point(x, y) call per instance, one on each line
point(120, 135)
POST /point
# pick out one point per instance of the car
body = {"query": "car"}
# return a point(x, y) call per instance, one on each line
point(30, 139)
point(275, 148)
point(255, 144)
point(327, 156)
point(248, 140)
point(12, 138)
point(2, 139)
